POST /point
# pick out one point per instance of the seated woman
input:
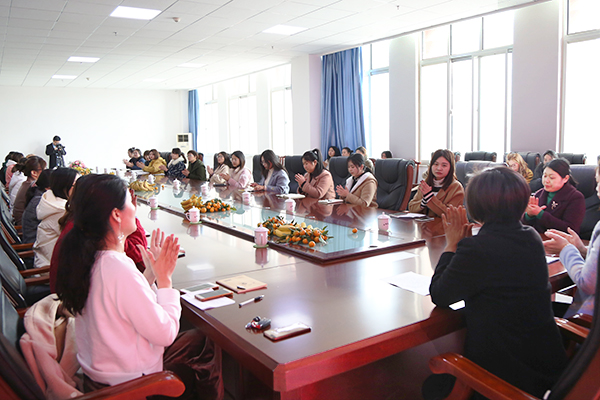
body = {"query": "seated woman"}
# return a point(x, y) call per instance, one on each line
point(222, 167)
point(176, 165)
point(17, 180)
point(502, 276)
point(386, 154)
point(154, 166)
point(580, 261)
point(517, 164)
point(346, 152)
point(15, 156)
point(50, 209)
point(274, 175)
point(333, 151)
point(536, 183)
point(361, 187)
point(30, 220)
point(239, 177)
point(134, 158)
point(33, 168)
point(558, 205)
point(317, 182)
point(439, 188)
point(196, 169)
point(368, 163)
point(127, 322)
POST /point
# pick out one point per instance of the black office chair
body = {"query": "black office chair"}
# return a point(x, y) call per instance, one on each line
point(464, 170)
point(256, 168)
point(585, 175)
point(22, 259)
point(578, 381)
point(573, 158)
point(338, 167)
point(480, 156)
point(17, 382)
point(7, 225)
point(394, 182)
point(22, 289)
point(293, 165)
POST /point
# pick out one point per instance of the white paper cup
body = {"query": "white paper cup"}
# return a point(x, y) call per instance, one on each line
point(384, 222)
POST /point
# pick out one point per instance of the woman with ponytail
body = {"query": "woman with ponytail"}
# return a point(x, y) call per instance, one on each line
point(127, 322)
point(317, 182)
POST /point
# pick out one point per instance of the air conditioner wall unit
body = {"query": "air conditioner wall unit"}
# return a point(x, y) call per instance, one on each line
point(184, 142)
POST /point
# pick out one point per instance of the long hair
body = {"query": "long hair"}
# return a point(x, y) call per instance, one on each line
point(43, 182)
point(177, 150)
point(61, 181)
point(314, 155)
point(226, 160)
point(155, 154)
point(240, 157)
point(358, 159)
point(523, 167)
point(336, 150)
point(449, 156)
point(20, 165)
point(33, 164)
point(270, 157)
point(92, 202)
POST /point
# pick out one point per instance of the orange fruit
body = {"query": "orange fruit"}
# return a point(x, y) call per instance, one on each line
point(354, 230)
point(324, 237)
point(305, 241)
point(317, 238)
point(302, 232)
point(311, 244)
point(203, 210)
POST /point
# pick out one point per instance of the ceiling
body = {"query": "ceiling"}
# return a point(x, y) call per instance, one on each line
point(225, 36)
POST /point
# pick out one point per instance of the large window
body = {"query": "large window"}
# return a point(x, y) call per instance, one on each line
point(465, 86)
point(582, 80)
point(282, 138)
point(376, 97)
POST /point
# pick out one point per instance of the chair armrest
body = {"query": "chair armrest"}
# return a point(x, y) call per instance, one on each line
point(476, 377)
point(571, 330)
point(35, 271)
point(163, 383)
point(26, 254)
point(22, 246)
point(40, 280)
point(580, 319)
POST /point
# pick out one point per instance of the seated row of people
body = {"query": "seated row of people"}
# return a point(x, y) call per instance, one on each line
point(334, 151)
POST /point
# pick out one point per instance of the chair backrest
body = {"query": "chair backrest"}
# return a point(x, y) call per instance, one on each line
point(585, 175)
point(464, 170)
point(531, 158)
point(338, 167)
point(5, 196)
point(12, 253)
point(293, 165)
point(394, 182)
point(574, 158)
point(16, 381)
point(480, 156)
point(256, 171)
point(13, 283)
point(166, 155)
point(6, 221)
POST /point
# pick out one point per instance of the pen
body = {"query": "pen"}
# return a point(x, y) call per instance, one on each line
point(254, 300)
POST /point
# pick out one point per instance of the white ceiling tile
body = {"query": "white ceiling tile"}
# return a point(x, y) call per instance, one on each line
point(34, 14)
point(54, 5)
point(192, 7)
point(294, 9)
point(74, 18)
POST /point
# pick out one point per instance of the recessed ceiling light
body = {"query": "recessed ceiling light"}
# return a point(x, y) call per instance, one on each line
point(64, 76)
point(83, 59)
point(191, 65)
point(285, 30)
point(134, 13)
point(155, 80)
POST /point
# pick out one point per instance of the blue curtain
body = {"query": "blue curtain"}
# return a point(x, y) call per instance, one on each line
point(342, 122)
point(193, 115)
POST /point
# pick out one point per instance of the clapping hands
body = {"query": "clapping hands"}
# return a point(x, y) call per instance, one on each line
point(456, 226)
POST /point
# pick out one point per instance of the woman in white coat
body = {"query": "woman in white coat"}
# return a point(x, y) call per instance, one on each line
point(50, 209)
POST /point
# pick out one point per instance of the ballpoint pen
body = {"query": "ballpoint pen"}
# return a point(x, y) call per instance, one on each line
point(254, 300)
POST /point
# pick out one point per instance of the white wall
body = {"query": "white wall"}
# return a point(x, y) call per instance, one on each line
point(306, 103)
point(536, 77)
point(97, 126)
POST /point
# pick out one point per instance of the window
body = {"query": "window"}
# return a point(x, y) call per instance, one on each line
point(465, 86)
point(282, 138)
point(376, 97)
point(581, 79)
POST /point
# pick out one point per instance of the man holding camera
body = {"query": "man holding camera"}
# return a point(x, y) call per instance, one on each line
point(56, 151)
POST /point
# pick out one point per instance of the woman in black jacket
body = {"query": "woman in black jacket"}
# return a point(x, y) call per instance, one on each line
point(502, 276)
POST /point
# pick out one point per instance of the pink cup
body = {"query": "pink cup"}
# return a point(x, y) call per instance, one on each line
point(384, 222)
point(193, 215)
point(153, 201)
point(261, 236)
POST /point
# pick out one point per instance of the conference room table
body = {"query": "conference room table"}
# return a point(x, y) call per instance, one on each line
point(369, 339)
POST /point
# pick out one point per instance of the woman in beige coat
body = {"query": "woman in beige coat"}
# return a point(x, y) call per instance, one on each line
point(440, 188)
point(317, 182)
point(361, 187)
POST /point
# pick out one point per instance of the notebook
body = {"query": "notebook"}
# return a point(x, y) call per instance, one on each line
point(242, 284)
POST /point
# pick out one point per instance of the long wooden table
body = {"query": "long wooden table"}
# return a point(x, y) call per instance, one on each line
point(364, 330)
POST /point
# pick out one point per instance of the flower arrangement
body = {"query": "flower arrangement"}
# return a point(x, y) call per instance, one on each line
point(80, 167)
